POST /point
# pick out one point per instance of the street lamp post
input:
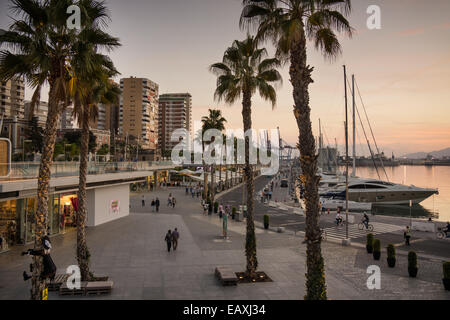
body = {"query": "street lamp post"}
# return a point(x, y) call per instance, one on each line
point(65, 153)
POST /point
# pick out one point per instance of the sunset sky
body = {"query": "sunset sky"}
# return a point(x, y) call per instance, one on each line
point(403, 70)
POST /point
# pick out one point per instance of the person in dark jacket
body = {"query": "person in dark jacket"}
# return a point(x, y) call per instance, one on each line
point(153, 205)
point(49, 271)
point(168, 240)
point(157, 204)
point(175, 237)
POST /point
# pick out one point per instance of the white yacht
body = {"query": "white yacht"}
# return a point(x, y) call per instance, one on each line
point(379, 192)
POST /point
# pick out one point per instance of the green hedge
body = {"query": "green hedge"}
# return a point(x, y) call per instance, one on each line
point(376, 245)
point(446, 269)
point(391, 251)
point(412, 259)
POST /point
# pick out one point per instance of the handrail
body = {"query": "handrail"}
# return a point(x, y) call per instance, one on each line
point(30, 170)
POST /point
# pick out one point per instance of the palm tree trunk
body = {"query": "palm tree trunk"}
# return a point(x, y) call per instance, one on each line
point(220, 173)
point(300, 75)
point(205, 181)
point(226, 176)
point(41, 215)
point(250, 241)
point(82, 250)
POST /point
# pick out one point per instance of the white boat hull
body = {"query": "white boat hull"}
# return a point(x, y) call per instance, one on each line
point(333, 204)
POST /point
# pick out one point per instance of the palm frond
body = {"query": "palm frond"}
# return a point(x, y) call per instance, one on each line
point(326, 41)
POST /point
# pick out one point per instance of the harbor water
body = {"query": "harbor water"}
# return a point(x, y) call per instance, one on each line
point(438, 177)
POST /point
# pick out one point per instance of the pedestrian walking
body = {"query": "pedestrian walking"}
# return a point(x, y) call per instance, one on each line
point(143, 201)
point(205, 208)
point(153, 205)
point(407, 235)
point(168, 240)
point(220, 211)
point(169, 200)
point(173, 202)
point(157, 204)
point(175, 237)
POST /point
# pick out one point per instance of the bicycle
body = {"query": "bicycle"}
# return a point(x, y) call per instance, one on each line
point(341, 223)
point(362, 225)
point(440, 234)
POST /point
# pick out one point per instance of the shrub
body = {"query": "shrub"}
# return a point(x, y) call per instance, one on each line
point(412, 264)
point(446, 269)
point(391, 255)
point(391, 251)
point(266, 221)
point(369, 243)
point(446, 279)
point(376, 249)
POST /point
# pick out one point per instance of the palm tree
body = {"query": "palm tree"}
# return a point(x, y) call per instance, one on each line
point(242, 72)
point(39, 46)
point(88, 88)
point(289, 23)
point(213, 121)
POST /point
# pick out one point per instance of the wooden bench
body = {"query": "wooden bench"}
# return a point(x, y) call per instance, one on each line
point(56, 283)
point(65, 291)
point(99, 287)
point(226, 276)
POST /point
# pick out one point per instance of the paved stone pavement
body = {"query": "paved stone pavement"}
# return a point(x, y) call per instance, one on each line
point(132, 252)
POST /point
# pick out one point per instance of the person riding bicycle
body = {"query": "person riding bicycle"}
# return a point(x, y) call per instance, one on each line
point(447, 229)
point(338, 218)
point(365, 220)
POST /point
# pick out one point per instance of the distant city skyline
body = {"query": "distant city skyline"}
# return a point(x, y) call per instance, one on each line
point(403, 69)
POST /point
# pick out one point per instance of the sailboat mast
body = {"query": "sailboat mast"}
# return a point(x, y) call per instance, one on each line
point(346, 156)
point(320, 147)
point(354, 127)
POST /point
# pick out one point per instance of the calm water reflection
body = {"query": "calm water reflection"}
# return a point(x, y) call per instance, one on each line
point(437, 206)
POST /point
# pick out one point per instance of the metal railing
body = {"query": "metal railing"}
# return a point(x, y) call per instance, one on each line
point(30, 170)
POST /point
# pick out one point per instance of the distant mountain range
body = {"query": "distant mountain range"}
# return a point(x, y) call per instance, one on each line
point(423, 155)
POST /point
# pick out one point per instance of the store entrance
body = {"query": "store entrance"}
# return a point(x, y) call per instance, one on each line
point(68, 212)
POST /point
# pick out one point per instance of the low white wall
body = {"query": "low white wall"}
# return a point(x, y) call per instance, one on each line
point(106, 204)
point(423, 226)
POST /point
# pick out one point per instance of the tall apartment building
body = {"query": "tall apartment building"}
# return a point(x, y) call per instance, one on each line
point(40, 111)
point(108, 118)
point(175, 112)
point(68, 120)
point(138, 113)
point(12, 94)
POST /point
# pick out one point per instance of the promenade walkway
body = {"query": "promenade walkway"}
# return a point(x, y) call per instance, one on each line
point(132, 252)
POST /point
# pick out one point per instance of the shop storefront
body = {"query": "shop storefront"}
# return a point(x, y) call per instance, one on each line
point(104, 204)
point(17, 216)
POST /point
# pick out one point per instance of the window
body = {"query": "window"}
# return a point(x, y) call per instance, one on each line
point(366, 186)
